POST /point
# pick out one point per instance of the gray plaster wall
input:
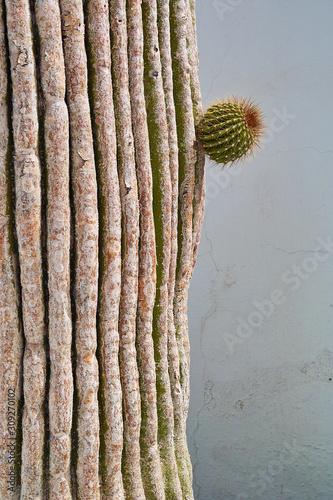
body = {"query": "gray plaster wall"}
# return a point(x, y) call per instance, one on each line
point(261, 301)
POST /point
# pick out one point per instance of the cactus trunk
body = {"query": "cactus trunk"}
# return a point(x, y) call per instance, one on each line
point(101, 199)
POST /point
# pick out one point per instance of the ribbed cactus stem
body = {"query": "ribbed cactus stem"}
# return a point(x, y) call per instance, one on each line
point(99, 103)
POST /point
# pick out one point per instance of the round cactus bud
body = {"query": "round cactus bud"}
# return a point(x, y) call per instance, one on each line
point(231, 129)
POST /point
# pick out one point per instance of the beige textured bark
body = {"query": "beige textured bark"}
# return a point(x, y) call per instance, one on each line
point(98, 31)
point(187, 159)
point(86, 237)
point(199, 189)
point(166, 62)
point(135, 116)
point(58, 246)
point(10, 327)
point(150, 458)
point(182, 454)
point(162, 203)
point(130, 231)
point(28, 226)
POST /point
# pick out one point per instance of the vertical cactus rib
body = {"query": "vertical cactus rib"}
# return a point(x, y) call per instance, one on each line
point(162, 203)
point(182, 454)
point(99, 54)
point(86, 235)
point(193, 56)
point(166, 62)
point(28, 226)
point(150, 458)
point(199, 189)
point(163, 12)
point(187, 159)
point(58, 246)
point(130, 238)
point(10, 327)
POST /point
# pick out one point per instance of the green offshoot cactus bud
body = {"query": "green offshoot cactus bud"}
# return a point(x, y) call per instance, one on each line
point(231, 129)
